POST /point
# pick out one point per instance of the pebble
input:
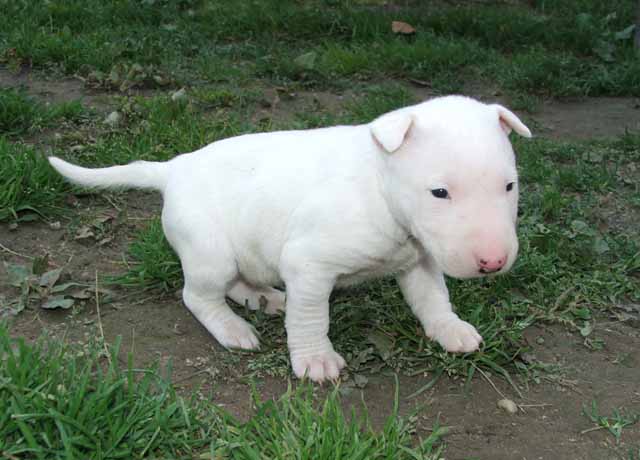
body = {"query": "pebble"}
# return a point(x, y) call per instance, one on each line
point(508, 406)
point(113, 119)
point(179, 95)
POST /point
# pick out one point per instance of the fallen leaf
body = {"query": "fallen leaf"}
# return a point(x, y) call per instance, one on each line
point(57, 302)
point(360, 380)
point(84, 233)
point(418, 82)
point(180, 95)
point(307, 60)
point(64, 287)
point(50, 278)
point(586, 329)
point(625, 34)
point(11, 308)
point(382, 343)
point(600, 246)
point(399, 27)
point(113, 119)
point(82, 294)
point(18, 274)
point(105, 240)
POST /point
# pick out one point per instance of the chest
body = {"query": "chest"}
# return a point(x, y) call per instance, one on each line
point(396, 260)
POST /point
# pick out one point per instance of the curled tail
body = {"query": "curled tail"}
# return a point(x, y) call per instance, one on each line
point(141, 174)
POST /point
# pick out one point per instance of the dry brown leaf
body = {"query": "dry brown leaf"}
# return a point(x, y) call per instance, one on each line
point(399, 27)
point(83, 233)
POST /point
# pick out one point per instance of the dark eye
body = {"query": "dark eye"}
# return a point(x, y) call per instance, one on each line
point(440, 193)
point(509, 186)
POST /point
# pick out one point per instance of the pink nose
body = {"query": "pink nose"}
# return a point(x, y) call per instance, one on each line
point(491, 263)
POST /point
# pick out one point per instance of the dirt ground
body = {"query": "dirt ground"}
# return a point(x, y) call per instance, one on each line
point(548, 425)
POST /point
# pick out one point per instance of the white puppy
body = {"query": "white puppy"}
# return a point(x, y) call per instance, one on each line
point(420, 192)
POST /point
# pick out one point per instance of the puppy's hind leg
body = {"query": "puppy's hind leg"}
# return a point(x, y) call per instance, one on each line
point(253, 297)
point(209, 270)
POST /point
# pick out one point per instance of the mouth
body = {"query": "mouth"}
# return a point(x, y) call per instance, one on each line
point(485, 271)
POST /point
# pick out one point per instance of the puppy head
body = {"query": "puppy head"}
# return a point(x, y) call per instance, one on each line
point(450, 178)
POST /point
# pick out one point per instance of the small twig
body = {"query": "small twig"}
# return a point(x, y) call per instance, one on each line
point(589, 430)
point(489, 380)
point(139, 218)
point(112, 203)
point(190, 376)
point(104, 343)
point(11, 251)
point(134, 293)
point(535, 405)
point(146, 299)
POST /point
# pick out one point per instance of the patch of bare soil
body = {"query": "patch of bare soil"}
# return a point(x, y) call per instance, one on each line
point(56, 90)
point(589, 118)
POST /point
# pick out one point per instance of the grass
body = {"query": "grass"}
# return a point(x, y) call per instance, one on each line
point(30, 187)
point(586, 45)
point(159, 128)
point(326, 433)
point(61, 402)
point(65, 401)
point(21, 114)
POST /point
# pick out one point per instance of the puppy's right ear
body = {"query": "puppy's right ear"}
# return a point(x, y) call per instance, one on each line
point(391, 129)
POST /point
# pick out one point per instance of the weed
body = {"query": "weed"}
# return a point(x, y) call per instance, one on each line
point(614, 424)
point(40, 286)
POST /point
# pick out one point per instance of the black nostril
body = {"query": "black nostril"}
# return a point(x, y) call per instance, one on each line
point(483, 262)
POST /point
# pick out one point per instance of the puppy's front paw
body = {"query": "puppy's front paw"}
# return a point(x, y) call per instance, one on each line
point(455, 335)
point(235, 332)
point(319, 366)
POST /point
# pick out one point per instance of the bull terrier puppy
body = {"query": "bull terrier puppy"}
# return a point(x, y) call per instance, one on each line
point(420, 192)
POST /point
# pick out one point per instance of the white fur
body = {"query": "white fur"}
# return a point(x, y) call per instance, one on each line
point(319, 208)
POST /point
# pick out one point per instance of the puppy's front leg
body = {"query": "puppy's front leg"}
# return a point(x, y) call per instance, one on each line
point(307, 324)
point(425, 291)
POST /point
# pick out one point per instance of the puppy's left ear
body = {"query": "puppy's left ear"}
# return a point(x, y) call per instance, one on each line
point(391, 129)
point(509, 121)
